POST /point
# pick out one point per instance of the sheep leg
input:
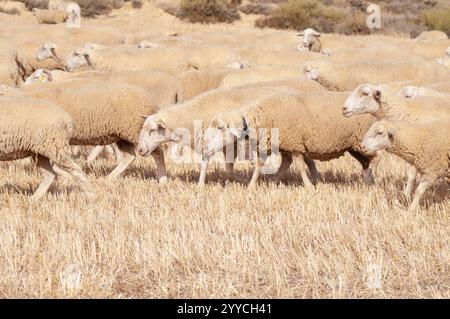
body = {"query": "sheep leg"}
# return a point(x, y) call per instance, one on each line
point(203, 165)
point(286, 161)
point(69, 166)
point(313, 172)
point(411, 174)
point(300, 163)
point(94, 154)
point(256, 171)
point(161, 174)
point(46, 170)
point(129, 156)
point(367, 168)
point(424, 184)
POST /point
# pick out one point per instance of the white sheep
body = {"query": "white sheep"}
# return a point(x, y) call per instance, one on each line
point(170, 60)
point(311, 42)
point(163, 127)
point(345, 77)
point(104, 114)
point(39, 128)
point(433, 35)
point(49, 16)
point(383, 103)
point(310, 126)
point(425, 146)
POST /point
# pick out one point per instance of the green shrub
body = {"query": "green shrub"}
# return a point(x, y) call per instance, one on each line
point(301, 14)
point(207, 11)
point(437, 19)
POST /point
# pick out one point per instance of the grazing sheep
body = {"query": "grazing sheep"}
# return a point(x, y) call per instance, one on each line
point(433, 35)
point(164, 126)
point(49, 16)
point(104, 114)
point(425, 146)
point(310, 126)
point(385, 104)
point(311, 42)
point(171, 60)
point(33, 127)
point(345, 77)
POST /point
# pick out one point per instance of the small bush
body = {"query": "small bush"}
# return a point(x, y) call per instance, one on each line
point(92, 8)
point(437, 19)
point(31, 4)
point(354, 24)
point(301, 14)
point(207, 11)
point(258, 8)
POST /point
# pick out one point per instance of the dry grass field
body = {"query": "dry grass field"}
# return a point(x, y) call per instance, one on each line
point(141, 239)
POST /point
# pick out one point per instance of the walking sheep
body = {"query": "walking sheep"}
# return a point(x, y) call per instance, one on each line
point(385, 104)
point(38, 128)
point(310, 126)
point(425, 146)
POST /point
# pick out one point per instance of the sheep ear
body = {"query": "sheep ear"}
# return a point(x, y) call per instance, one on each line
point(377, 94)
point(301, 34)
point(236, 132)
point(219, 124)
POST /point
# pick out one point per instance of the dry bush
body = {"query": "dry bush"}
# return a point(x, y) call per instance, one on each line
point(437, 19)
point(207, 11)
point(258, 8)
point(301, 14)
point(31, 4)
point(92, 8)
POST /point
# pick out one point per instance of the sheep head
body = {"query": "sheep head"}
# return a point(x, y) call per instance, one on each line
point(79, 58)
point(365, 98)
point(40, 75)
point(378, 137)
point(47, 51)
point(309, 37)
point(409, 91)
point(154, 132)
point(312, 73)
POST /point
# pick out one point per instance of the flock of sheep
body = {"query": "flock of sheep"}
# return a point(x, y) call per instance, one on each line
point(327, 96)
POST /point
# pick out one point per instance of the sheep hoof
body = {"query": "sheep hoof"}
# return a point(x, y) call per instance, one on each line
point(163, 180)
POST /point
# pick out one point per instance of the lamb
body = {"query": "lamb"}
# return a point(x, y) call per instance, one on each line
point(412, 91)
point(104, 114)
point(38, 128)
point(385, 104)
point(116, 59)
point(309, 127)
point(49, 16)
point(311, 42)
point(165, 125)
point(425, 146)
point(345, 77)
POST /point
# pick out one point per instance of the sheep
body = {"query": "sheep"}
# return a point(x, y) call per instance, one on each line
point(433, 35)
point(38, 128)
point(412, 91)
point(71, 8)
point(159, 59)
point(13, 6)
point(311, 42)
point(104, 114)
point(345, 77)
point(9, 73)
point(163, 127)
point(382, 103)
point(425, 146)
point(309, 127)
point(195, 82)
point(29, 59)
point(49, 16)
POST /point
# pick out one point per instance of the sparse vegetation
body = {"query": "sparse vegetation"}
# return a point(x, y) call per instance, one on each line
point(207, 11)
point(437, 19)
